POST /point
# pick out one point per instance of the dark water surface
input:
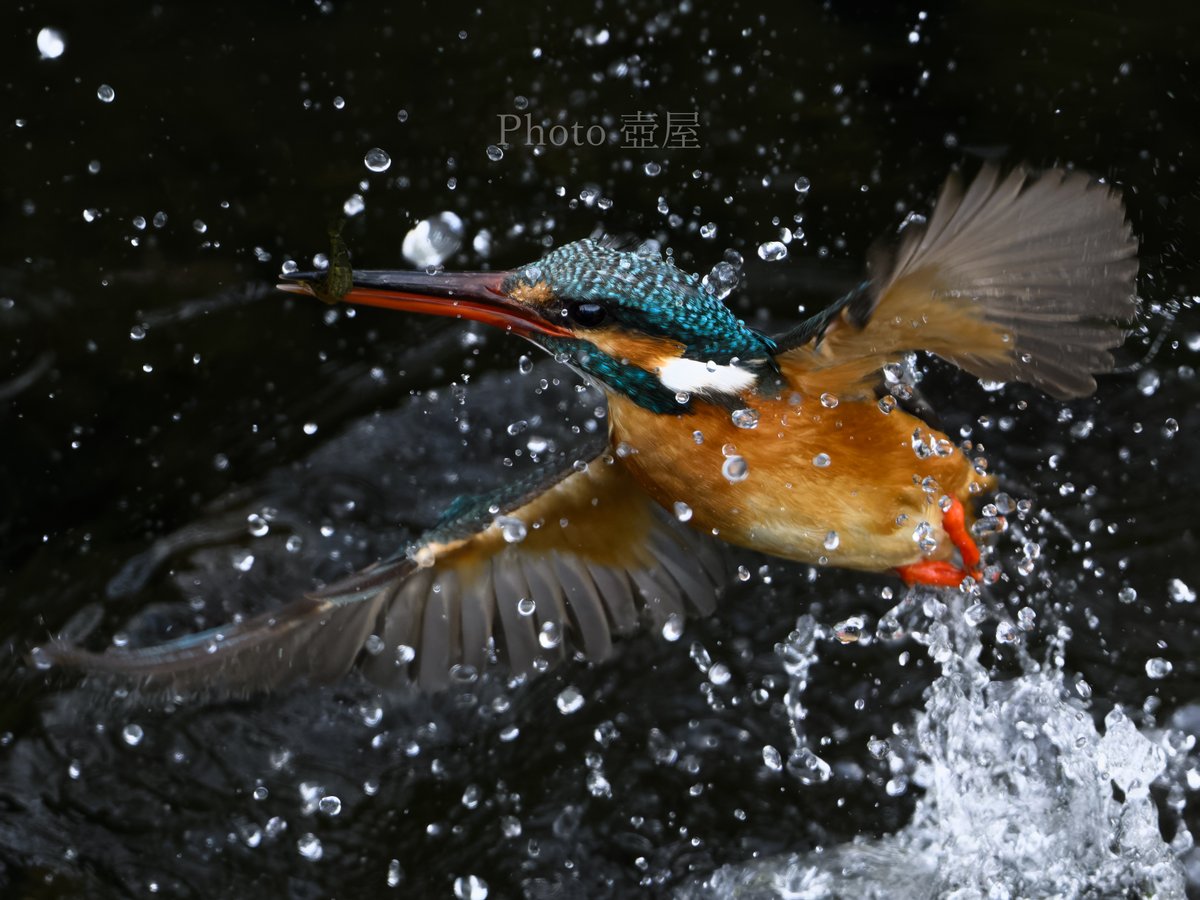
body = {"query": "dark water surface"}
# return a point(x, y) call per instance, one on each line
point(156, 393)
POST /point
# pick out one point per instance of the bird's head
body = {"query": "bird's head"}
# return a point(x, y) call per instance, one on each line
point(629, 319)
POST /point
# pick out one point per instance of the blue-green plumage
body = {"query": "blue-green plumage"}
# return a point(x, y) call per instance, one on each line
point(639, 292)
point(646, 293)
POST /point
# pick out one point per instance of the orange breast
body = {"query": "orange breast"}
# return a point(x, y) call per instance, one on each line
point(842, 485)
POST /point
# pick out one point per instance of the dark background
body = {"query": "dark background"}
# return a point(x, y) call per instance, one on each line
point(227, 114)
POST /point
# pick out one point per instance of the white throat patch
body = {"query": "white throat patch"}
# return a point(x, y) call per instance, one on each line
point(694, 377)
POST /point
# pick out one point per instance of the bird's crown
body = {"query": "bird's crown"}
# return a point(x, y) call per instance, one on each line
point(593, 285)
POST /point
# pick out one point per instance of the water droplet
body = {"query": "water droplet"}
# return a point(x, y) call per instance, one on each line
point(374, 645)
point(482, 243)
point(377, 160)
point(569, 700)
point(772, 251)
point(1007, 633)
point(494, 153)
point(698, 437)
point(510, 827)
point(310, 847)
point(354, 205)
point(512, 529)
point(719, 674)
point(526, 606)
point(1127, 594)
point(745, 418)
point(91, 214)
point(832, 541)
point(257, 524)
point(974, 614)
point(829, 401)
point(735, 469)
point(395, 874)
point(1179, 592)
point(821, 460)
point(878, 748)
point(598, 785)
point(683, 512)
point(808, 767)
point(472, 887)
point(672, 629)
point(923, 536)
point(432, 241)
point(310, 428)
point(471, 796)
point(330, 805)
point(721, 280)
point(1158, 668)
point(550, 636)
point(50, 43)
point(887, 403)
point(405, 654)
point(199, 226)
point(525, 365)
point(652, 169)
point(771, 758)
point(132, 734)
point(849, 630)
point(594, 37)
point(106, 94)
point(708, 231)
point(803, 185)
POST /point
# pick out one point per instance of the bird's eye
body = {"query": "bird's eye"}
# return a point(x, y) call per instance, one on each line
point(587, 314)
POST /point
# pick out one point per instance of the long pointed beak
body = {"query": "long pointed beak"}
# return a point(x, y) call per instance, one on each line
point(461, 295)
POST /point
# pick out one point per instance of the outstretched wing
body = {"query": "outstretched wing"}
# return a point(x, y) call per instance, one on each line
point(1018, 277)
point(563, 560)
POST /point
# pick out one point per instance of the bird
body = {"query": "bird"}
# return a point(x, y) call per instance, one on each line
point(716, 434)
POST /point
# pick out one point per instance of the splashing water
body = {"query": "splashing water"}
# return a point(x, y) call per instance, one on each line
point(1018, 782)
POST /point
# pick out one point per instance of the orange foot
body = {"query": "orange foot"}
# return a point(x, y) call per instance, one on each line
point(944, 574)
point(933, 573)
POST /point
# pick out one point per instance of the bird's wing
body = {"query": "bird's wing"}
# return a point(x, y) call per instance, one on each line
point(1017, 277)
point(563, 560)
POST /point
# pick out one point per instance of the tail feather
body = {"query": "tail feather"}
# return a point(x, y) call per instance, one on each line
point(1050, 261)
point(1019, 277)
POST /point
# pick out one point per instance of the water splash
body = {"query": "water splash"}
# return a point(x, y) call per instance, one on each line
point(1018, 782)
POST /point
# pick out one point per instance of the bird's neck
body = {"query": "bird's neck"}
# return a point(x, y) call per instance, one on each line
point(661, 382)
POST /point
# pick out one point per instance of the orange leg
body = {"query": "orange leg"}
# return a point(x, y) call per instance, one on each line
point(944, 574)
point(954, 520)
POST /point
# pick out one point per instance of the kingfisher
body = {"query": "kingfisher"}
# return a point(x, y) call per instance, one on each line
point(786, 445)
